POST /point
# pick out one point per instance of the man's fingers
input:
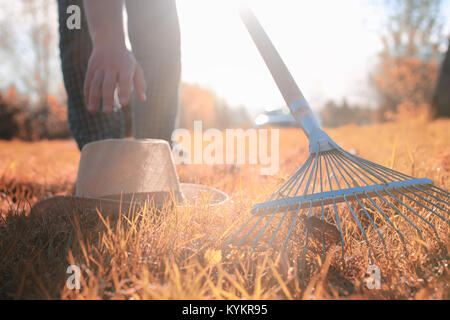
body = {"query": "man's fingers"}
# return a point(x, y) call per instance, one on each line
point(125, 84)
point(109, 85)
point(87, 84)
point(140, 86)
point(95, 92)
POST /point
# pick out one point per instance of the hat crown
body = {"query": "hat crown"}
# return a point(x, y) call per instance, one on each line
point(115, 166)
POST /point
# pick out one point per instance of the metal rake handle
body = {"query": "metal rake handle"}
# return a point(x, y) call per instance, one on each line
point(294, 98)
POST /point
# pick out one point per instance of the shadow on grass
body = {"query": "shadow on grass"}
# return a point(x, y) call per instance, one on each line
point(33, 249)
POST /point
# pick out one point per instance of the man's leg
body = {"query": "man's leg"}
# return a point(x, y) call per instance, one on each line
point(155, 37)
point(75, 47)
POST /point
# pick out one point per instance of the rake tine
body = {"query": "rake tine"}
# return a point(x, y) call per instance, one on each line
point(359, 224)
point(426, 200)
point(381, 171)
point(367, 168)
point(254, 214)
point(264, 228)
point(371, 221)
point(283, 187)
point(344, 162)
point(394, 175)
point(439, 199)
point(360, 227)
point(349, 165)
point(305, 248)
point(383, 176)
point(315, 173)
point(240, 229)
point(414, 211)
point(398, 211)
point(323, 211)
point(334, 202)
point(387, 219)
point(314, 168)
point(291, 227)
point(320, 174)
point(339, 226)
point(329, 177)
point(303, 178)
point(441, 191)
point(328, 161)
point(278, 227)
point(402, 176)
point(323, 235)
point(339, 164)
point(252, 228)
point(298, 178)
point(300, 172)
point(420, 203)
point(335, 162)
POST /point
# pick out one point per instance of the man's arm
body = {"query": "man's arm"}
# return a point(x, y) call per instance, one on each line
point(110, 62)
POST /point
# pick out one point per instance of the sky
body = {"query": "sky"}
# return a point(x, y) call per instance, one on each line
point(329, 46)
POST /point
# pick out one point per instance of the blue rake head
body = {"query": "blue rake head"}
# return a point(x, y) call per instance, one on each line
point(335, 195)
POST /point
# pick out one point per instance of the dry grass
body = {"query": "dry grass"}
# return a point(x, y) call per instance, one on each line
point(178, 253)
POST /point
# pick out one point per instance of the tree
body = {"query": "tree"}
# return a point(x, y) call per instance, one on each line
point(28, 52)
point(441, 99)
point(334, 115)
point(28, 45)
point(407, 71)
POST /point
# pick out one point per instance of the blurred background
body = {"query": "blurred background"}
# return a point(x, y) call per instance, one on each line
point(356, 61)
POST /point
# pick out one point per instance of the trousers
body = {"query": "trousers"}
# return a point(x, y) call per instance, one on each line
point(154, 34)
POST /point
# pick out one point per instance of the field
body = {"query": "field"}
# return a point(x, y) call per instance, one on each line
point(179, 253)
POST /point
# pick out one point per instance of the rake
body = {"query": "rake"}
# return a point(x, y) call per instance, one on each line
point(334, 190)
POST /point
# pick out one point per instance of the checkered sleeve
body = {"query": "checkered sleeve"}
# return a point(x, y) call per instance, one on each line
point(75, 48)
point(155, 38)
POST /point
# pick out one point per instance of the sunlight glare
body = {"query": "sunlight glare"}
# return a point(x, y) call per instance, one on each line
point(327, 45)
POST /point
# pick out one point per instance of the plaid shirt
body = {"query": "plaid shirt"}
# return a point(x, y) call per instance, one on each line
point(154, 34)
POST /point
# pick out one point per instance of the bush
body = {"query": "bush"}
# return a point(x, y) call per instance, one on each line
point(405, 83)
point(19, 119)
point(335, 115)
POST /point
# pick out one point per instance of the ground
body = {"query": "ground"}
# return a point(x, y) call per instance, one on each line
point(179, 253)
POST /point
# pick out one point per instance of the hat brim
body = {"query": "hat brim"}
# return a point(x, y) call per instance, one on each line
point(194, 194)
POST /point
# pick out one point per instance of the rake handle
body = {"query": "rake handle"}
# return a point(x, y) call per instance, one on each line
point(286, 84)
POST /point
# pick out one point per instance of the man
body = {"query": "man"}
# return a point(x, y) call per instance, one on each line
point(95, 62)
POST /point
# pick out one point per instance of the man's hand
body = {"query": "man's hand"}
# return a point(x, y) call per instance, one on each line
point(108, 67)
point(110, 64)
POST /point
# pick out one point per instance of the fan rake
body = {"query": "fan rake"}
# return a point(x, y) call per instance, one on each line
point(334, 192)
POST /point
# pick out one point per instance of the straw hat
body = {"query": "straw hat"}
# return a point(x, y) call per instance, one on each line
point(117, 173)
